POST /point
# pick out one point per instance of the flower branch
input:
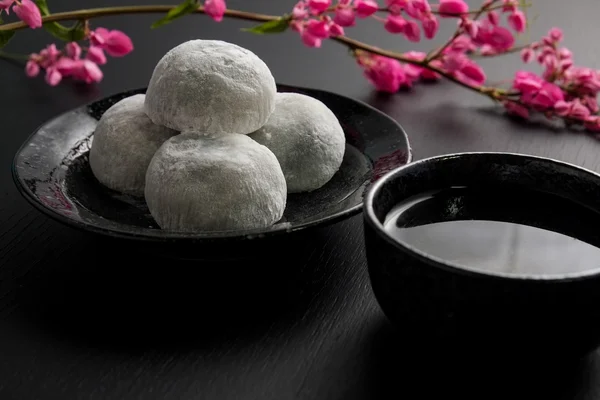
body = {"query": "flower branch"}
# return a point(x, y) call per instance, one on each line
point(123, 10)
point(563, 91)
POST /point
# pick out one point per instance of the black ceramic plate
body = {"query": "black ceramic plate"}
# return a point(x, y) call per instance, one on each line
point(52, 172)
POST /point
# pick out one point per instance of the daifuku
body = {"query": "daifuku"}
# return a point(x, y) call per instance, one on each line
point(124, 142)
point(211, 87)
point(306, 138)
point(200, 183)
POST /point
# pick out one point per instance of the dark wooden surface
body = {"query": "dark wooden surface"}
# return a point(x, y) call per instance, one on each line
point(82, 317)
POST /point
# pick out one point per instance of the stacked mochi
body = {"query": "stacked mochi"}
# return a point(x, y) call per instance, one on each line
point(212, 146)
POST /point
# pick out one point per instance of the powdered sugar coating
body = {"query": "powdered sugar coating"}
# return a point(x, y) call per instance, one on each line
point(200, 183)
point(306, 138)
point(211, 86)
point(124, 142)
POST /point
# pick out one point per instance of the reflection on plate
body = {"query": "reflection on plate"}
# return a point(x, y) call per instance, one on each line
point(52, 172)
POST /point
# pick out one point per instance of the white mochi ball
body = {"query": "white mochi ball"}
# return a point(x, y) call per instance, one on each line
point(200, 183)
point(211, 86)
point(124, 142)
point(306, 138)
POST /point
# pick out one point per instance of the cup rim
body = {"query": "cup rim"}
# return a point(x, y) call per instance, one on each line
point(431, 260)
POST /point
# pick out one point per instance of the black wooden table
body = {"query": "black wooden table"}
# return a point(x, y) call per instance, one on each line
point(82, 317)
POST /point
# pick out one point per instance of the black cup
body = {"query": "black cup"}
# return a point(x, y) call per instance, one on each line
point(438, 303)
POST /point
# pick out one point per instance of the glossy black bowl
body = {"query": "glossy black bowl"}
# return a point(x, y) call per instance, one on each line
point(438, 303)
point(51, 170)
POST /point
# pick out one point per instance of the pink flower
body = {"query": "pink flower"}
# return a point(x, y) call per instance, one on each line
point(412, 31)
point(68, 67)
point(115, 43)
point(578, 110)
point(509, 5)
point(59, 65)
point(556, 34)
point(73, 50)
point(318, 6)
point(83, 70)
point(318, 29)
point(412, 73)
point(591, 103)
point(450, 8)
point(214, 8)
point(470, 26)
point(310, 40)
point(498, 37)
point(516, 109)
point(473, 72)
point(395, 6)
point(118, 44)
point(536, 92)
point(53, 77)
point(29, 13)
point(336, 30)
point(344, 16)
point(5, 5)
point(32, 69)
point(453, 62)
point(565, 64)
point(299, 11)
point(584, 81)
point(424, 74)
point(428, 75)
point(487, 50)
point(527, 55)
point(395, 24)
point(297, 26)
point(527, 82)
point(493, 17)
point(386, 74)
point(547, 56)
point(418, 9)
point(96, 54)
point(564, 53)
point(548, 96)
point(592, 124)
point(366, 8)
point(462, 44)
point(430, 26)
point(49, 55)
point(562, 108)
point(518, 21)
point(89, 72)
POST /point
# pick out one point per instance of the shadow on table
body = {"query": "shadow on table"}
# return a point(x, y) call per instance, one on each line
point(534, 124)
point(405, 370)
point(461, 120)
point(120, 299)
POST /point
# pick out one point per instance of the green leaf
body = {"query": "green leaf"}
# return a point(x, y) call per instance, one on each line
point(43, 6)
point(275, 26)
point(188, 6)
point(65, 33)
point(5, 37)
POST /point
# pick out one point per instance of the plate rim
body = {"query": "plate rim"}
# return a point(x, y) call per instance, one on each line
point(167, 236)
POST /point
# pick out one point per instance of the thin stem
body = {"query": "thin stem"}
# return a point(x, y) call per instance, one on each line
point(248, 16)
point(512, 50)
point(105, 11)
point(12, 56)
point(357, 45)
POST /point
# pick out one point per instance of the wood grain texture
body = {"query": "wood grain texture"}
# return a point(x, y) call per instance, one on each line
point(82, 317)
